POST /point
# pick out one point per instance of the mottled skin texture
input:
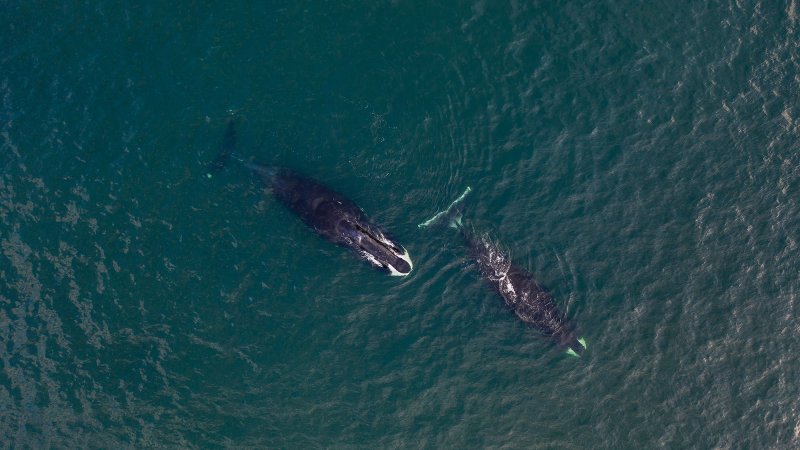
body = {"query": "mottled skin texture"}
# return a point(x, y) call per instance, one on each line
point(522, 294)
point(334, 217)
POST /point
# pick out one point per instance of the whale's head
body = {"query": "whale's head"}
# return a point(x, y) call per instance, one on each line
point(379, 250)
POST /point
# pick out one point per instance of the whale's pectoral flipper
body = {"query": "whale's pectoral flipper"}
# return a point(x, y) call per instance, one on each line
point(228, 144)
point(451, 215)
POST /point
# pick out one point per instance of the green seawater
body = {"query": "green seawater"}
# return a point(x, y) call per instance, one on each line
point(640, 158)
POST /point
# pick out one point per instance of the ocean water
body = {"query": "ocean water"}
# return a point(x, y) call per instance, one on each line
point(640, 158)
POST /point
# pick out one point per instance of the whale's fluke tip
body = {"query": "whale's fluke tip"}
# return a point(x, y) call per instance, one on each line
point(575, 350)
point(454, 219)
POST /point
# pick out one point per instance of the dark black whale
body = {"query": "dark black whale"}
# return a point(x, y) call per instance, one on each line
point(329, 213)
point(522, 294)
point(335, 218)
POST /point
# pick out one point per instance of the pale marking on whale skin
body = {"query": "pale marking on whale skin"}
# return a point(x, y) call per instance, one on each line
point(389, 243)
point(392, 271)
point(405, 258)
point(498, 262)
point(371, 258)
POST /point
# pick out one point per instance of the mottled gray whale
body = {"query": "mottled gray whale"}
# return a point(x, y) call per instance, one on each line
point(328, 213)
point(520, 291)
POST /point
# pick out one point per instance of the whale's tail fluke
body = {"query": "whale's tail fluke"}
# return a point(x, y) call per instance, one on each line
point(576, 350)
point(228, 144)
point(451, 216)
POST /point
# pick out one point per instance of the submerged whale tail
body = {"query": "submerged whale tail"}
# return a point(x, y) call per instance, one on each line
point(228, 144)
point(226, 153)
point(451, 216)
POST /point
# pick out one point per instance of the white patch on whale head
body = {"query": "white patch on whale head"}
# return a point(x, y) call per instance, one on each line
point(392, 245)
point(392, 270)
point(371, 259)
point(405, 258)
